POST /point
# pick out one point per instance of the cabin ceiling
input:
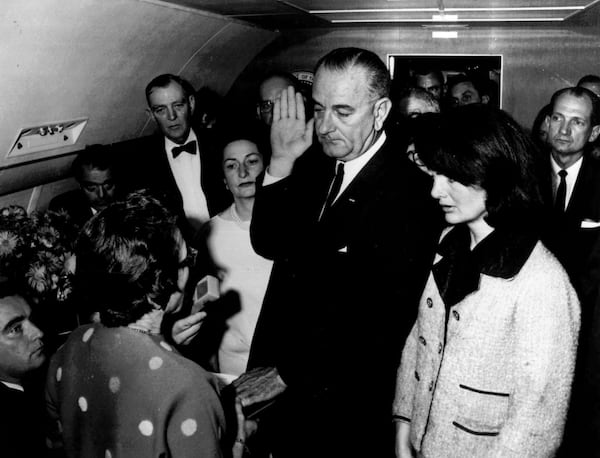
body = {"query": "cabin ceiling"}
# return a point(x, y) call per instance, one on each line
point(282, 14)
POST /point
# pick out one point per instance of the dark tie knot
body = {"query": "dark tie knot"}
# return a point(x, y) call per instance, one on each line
point(189, 147)
point(561, 193)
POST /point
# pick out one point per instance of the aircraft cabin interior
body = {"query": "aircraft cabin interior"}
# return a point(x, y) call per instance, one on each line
point(82, 65)
point(77, 77)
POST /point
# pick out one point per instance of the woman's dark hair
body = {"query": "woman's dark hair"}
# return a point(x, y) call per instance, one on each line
point(479, 145)
point(127, 255)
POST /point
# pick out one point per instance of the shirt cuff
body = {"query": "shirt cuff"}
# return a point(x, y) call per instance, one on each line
point(270, 179)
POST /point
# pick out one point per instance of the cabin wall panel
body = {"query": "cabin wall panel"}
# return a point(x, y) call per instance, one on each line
point(536, 61)
point(65, 59)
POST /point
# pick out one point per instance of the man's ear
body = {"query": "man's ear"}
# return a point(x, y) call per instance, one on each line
point(594, 134)
point(192, 103)
point(381, 110)
point(485, 99)
point(150, 114)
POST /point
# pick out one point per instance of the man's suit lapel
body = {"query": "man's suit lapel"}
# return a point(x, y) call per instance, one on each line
point(361, 189)
point(163, 160)
point(584, 192)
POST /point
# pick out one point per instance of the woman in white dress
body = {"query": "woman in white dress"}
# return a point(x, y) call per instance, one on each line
point(242, 270)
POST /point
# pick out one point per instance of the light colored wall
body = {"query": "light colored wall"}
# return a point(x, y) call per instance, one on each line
point(537, 61)
point(65, 59)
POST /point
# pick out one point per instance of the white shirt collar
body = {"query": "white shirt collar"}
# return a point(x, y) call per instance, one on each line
point(170, 144)
point(354, 166)
point(570, 179)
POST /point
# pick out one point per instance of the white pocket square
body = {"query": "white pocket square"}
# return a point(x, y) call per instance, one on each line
point(589, 224)
point(345, 249)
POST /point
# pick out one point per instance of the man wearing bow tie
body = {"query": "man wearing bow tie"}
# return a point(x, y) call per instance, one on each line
point(176, 164)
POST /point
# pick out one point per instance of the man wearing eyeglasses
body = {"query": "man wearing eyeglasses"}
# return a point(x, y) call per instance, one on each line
point(93, 170)
point(270, 88)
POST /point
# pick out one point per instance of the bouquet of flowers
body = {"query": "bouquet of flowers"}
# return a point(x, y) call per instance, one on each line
point(36, 253)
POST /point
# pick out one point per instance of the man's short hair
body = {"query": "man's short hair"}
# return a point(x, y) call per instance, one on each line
point(286, 76)
point(424, 71)
point(414, 92)
point(591, 79)
point(345, 58)
point(93, 157)
point(127, 257)
point(580, 92)
point(477, 83)
point(165, 80)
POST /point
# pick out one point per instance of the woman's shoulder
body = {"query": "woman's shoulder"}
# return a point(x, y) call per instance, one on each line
point(543, 262)
point(543, 275)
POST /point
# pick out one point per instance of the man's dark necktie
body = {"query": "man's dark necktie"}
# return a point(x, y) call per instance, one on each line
point(189, 147)
point(334, 189)
point(561, 193)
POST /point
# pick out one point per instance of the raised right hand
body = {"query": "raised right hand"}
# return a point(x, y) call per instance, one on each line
point(291, 134)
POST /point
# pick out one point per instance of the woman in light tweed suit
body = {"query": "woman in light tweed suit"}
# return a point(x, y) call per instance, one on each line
point(487, 368)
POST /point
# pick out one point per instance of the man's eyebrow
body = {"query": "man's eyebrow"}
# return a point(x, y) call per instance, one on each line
point(158, 105)
point(343, 106)
point(14, 321)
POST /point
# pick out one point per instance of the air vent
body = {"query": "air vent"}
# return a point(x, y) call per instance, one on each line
point(47, 136)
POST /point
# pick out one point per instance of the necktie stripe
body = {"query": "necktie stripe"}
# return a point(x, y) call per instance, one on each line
point(561, 192)
point(334, 189)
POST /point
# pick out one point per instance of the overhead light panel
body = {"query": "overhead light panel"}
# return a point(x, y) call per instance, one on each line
point(444, 34)
point(445, 17)
point(399, 20)
point(452, 10)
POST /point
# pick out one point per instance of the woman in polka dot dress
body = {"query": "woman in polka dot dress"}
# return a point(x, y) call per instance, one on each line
point(117, 388)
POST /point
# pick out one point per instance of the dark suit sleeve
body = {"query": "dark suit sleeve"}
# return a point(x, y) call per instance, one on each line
point(285, 213)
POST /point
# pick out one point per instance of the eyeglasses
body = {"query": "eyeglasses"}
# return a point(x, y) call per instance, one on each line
point(190, 259)
point(265, 105)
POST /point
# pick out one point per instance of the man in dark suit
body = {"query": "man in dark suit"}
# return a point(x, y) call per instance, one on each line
point(21, 354)
point(178, 166)
point(93, 170)
point(573, 124)
point(352, 233)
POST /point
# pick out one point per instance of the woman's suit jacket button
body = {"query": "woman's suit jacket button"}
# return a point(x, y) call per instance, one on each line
point(422, 340)
point(440, 348)
point(456, 315)
point(417, 376)
point(429, 302)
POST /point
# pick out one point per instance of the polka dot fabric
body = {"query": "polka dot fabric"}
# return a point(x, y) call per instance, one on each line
point(121, 393)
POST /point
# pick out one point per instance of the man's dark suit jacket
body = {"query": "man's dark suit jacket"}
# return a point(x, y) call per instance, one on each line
point(75, 204)
point(145, 166)
point(578, 249)
point(341, 300)
point(21, 424)
point(570, 242)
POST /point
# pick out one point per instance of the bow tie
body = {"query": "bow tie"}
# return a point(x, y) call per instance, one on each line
point(189, 147)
